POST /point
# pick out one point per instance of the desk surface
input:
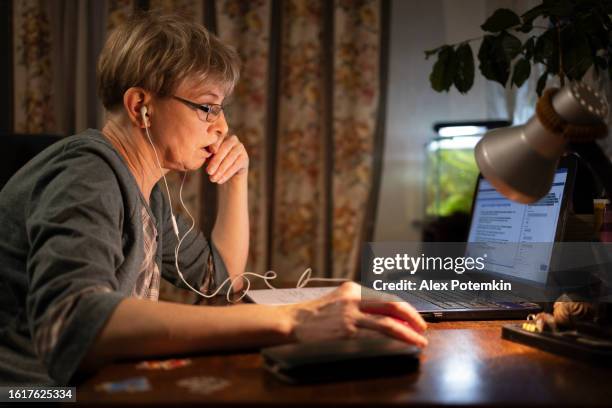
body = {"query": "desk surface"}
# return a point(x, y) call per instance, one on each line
point(466, 363)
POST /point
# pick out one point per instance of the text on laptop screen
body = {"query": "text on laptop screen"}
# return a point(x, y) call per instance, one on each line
point(499, 222)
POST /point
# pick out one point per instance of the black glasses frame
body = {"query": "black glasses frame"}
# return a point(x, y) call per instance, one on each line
point(209, 108)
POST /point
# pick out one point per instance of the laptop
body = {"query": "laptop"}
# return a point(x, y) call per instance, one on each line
point(508, 230)
point(500, 224)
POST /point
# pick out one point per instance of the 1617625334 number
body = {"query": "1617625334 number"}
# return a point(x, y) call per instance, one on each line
point(37, 394)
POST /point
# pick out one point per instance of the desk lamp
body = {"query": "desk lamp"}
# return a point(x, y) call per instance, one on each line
point(520, 162)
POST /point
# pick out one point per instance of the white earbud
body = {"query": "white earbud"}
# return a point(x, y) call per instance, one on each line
point(143, 113)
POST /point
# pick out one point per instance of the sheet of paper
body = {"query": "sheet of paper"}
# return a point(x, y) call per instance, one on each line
point(287, 296)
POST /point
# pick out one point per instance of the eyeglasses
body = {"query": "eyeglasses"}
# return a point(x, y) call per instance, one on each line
point(208, 112)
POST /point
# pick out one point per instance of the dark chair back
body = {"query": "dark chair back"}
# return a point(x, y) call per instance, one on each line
point(17, 149)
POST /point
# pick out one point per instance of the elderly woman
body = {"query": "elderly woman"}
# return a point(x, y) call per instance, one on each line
point(88, 232)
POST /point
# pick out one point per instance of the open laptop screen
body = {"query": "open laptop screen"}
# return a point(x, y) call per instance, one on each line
point(515, 235)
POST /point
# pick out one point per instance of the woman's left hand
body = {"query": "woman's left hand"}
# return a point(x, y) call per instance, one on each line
point(229, 159)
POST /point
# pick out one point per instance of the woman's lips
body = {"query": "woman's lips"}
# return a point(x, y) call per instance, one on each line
point(207, 152)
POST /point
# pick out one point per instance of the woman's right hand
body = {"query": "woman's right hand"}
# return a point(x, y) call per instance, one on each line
point(344, 314)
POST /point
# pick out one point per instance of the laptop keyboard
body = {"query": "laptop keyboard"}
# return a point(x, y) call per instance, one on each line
point(457, 300)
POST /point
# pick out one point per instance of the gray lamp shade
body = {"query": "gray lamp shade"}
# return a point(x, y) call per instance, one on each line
point(520, 161)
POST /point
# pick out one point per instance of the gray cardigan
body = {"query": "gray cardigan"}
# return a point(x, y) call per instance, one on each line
point(71, 247)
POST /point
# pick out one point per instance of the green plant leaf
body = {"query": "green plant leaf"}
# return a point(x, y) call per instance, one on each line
point(510, 45)
point(533, 13)
point(500, 20)
point(559, 8)
point(441, 77)
point(521, 72)
point(493, 63)
point(429, 53)
point(464, 74)
point(526, 27)
point(577, 55)
point(545, 46)
point(541, 83)
point(546, 51)
point(529, 47)
point(596, 29)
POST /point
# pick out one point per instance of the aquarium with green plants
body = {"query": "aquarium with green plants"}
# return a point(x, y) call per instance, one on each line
point(450, 180)
point(451, 167)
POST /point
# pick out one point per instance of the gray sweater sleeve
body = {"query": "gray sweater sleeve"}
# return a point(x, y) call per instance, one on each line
point(199, 261)
point(74, 228)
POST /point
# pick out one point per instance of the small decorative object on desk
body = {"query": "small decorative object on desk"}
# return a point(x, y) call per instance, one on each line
point(164, 364)
point(568, 312)
point(605, 231)
point(599, 206)
point(203, 385)
point(135, 384)
point(573, 330)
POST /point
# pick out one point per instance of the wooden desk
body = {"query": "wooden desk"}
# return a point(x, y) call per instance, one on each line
point(466, 363)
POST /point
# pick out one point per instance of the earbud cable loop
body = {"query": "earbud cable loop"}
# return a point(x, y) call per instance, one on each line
point(304, 279)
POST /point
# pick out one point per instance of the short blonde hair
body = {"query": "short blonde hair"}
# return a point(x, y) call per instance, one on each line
point(156, 52)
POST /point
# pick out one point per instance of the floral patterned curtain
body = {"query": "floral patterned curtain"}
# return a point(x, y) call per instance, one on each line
point(357, 98)
point(32, 70)
point(308, 109)
point(246, 26)
point(55, 45)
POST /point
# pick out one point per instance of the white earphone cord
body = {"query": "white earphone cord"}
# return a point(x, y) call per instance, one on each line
point(304, 279)
point(161, 171)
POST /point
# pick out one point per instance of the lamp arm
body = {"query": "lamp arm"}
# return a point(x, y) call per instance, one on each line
point(600, 163)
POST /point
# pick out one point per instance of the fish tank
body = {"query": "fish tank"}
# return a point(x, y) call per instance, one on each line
point(451, 167)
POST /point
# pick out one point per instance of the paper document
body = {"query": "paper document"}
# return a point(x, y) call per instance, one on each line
point(287, 296)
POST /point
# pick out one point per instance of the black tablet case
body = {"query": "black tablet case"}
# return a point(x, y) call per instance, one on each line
point(340, 360)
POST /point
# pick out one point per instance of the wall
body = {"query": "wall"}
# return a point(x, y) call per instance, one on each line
point(413, 107)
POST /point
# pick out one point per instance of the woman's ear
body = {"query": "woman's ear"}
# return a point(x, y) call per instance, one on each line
point(134, 100)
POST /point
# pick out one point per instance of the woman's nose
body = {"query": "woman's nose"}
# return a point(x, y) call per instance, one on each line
point(220, 126)
point(219, 129)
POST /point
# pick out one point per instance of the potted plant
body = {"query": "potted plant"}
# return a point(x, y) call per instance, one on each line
point(573, 36)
